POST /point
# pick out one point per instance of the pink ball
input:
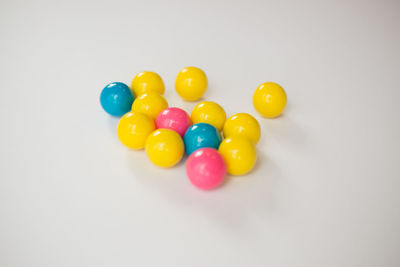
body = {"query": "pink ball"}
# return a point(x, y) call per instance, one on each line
point(175, 119)
point(205, 168)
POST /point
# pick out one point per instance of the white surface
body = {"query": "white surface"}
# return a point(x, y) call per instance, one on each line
point(325, 191)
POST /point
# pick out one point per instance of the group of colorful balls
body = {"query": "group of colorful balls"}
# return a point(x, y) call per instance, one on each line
point(166, 133)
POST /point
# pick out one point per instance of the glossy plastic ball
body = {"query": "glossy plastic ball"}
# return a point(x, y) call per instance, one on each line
point(150, 103)
point(147, 81)
point(116, 99)
point(191, 83)
point(201, 135)
point(243, 124)
point(205, 168)
point(175, 119)
point(134, 128)
point(269, 99)
point(209, 112)
point(164, 148)
point(239, 154)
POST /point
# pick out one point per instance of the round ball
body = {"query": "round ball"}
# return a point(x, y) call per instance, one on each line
point(150, 104)
point(191, 83)
point(243, 124)
point(147, 81)
point(269, 99)
point(134, 128)
point(205, 168)
point(174, 119)
point(201, 135)
point(239, 154)
point(164, 148)
point(209, 112)
point(116, 99)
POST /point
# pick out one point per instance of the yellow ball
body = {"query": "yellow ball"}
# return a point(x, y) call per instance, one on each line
point(243, 124)
point(191, 83)
point(239, 154)
point(164, 147)
point(150, 104)
point(134, 128)
point(147, 81)
point(209, 112)
point(269, 99)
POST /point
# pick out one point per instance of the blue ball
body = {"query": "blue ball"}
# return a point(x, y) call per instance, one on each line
point(201, 135)
point(116, 99)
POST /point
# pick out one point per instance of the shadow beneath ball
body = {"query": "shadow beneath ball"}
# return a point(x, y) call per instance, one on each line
point(283, 129)
point(112, 123)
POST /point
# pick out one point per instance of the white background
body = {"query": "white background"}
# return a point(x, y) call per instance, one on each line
point(325, 190)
